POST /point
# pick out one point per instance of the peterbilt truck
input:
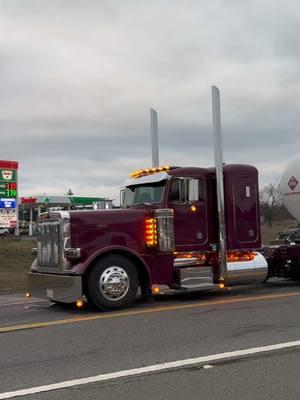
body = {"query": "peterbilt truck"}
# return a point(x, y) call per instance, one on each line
point(165, 237)
point(178, 229)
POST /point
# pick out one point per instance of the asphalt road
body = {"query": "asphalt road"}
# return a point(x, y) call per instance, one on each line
point(44, 344)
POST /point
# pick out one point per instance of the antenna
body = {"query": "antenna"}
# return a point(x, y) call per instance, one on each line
point(154, 137)
point(218, 149)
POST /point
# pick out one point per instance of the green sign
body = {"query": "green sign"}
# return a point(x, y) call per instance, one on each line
point(8, 183)
point(8, 175)
point(84, 201)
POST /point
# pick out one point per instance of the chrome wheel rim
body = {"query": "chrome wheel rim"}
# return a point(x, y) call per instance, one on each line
point(114, 283)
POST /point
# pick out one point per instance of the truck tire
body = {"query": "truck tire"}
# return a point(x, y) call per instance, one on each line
point(112, 283)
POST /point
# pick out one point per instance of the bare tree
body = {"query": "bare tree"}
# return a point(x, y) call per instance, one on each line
point(270, 202)
point(69, 193)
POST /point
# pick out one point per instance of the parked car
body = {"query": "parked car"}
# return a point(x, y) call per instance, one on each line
point(4, 231)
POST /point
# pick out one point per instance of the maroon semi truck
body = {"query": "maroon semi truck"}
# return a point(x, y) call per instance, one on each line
point(178, 229)
point(165, 237)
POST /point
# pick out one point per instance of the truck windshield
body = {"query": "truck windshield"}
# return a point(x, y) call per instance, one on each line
point(141, 194)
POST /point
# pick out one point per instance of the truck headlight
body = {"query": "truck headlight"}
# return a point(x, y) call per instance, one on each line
point(73, 253)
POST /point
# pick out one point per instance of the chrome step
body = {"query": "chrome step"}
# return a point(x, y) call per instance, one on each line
point(198, 277)
point(191, 279)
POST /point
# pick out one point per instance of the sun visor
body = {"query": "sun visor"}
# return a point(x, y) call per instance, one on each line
point(153, 178)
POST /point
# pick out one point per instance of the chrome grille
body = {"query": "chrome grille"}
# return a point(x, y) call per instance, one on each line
point(49, 243)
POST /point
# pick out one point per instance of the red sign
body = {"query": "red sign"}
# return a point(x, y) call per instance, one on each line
point(11, 186)
point(9, 164)
point(292, 183)
point(26, 200)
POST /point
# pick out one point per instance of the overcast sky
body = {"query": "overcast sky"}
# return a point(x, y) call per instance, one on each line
point(77, 79)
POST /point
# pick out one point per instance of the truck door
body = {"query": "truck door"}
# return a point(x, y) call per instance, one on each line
point(186, 197)
point(245, 211)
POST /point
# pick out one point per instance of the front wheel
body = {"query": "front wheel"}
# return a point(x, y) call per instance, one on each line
point(112, 283)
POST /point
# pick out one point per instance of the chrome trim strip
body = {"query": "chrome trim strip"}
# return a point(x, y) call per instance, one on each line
point(185, 262)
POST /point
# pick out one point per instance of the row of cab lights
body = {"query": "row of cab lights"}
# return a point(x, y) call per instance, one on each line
point(148, 171)
point(232, 256)
point(235, 256)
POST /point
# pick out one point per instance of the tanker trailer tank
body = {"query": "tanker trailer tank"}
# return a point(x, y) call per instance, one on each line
point(290, 187)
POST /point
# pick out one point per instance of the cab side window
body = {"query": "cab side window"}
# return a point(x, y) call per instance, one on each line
point(177, 190)
point(186, 190)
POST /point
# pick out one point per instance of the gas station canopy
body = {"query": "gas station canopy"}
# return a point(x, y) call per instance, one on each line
point(66, 201)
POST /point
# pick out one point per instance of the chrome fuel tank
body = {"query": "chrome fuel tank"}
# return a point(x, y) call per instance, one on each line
point(247, 272)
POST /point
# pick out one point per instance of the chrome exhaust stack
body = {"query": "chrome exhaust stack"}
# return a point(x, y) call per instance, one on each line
point(218, 150)
point(240, 270)
point(154, 138)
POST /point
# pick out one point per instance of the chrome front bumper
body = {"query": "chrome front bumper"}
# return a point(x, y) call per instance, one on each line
point(62, 288)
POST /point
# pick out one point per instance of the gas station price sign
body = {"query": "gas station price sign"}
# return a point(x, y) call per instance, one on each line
point(11, 189)
point(8, 179)
point(9, 194)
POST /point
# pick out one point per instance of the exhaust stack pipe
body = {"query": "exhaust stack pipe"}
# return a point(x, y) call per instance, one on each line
point(154, 137)
point(218, 150)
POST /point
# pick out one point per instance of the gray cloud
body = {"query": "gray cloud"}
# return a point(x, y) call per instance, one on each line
point(78, 79)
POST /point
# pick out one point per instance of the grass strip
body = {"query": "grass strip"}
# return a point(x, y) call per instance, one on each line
point(15, 261)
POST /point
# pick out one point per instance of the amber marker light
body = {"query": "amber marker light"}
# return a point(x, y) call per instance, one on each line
point(27, 295)
point(221, 285)
point(150, 232)
point(79, 303)
point(237, 256)
point(148, 171)
point(193, 208)
point(155, 290)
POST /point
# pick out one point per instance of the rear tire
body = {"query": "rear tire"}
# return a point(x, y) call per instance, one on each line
point(112, 283)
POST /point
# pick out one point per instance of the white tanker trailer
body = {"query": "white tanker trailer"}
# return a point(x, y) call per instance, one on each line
point(284, 257)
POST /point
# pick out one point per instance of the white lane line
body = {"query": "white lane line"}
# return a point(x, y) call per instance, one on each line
point(148, 369)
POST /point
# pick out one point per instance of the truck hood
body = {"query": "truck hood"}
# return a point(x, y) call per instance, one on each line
point(107, 228)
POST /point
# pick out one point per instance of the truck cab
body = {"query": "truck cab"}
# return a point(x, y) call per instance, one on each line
point(186, 191)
